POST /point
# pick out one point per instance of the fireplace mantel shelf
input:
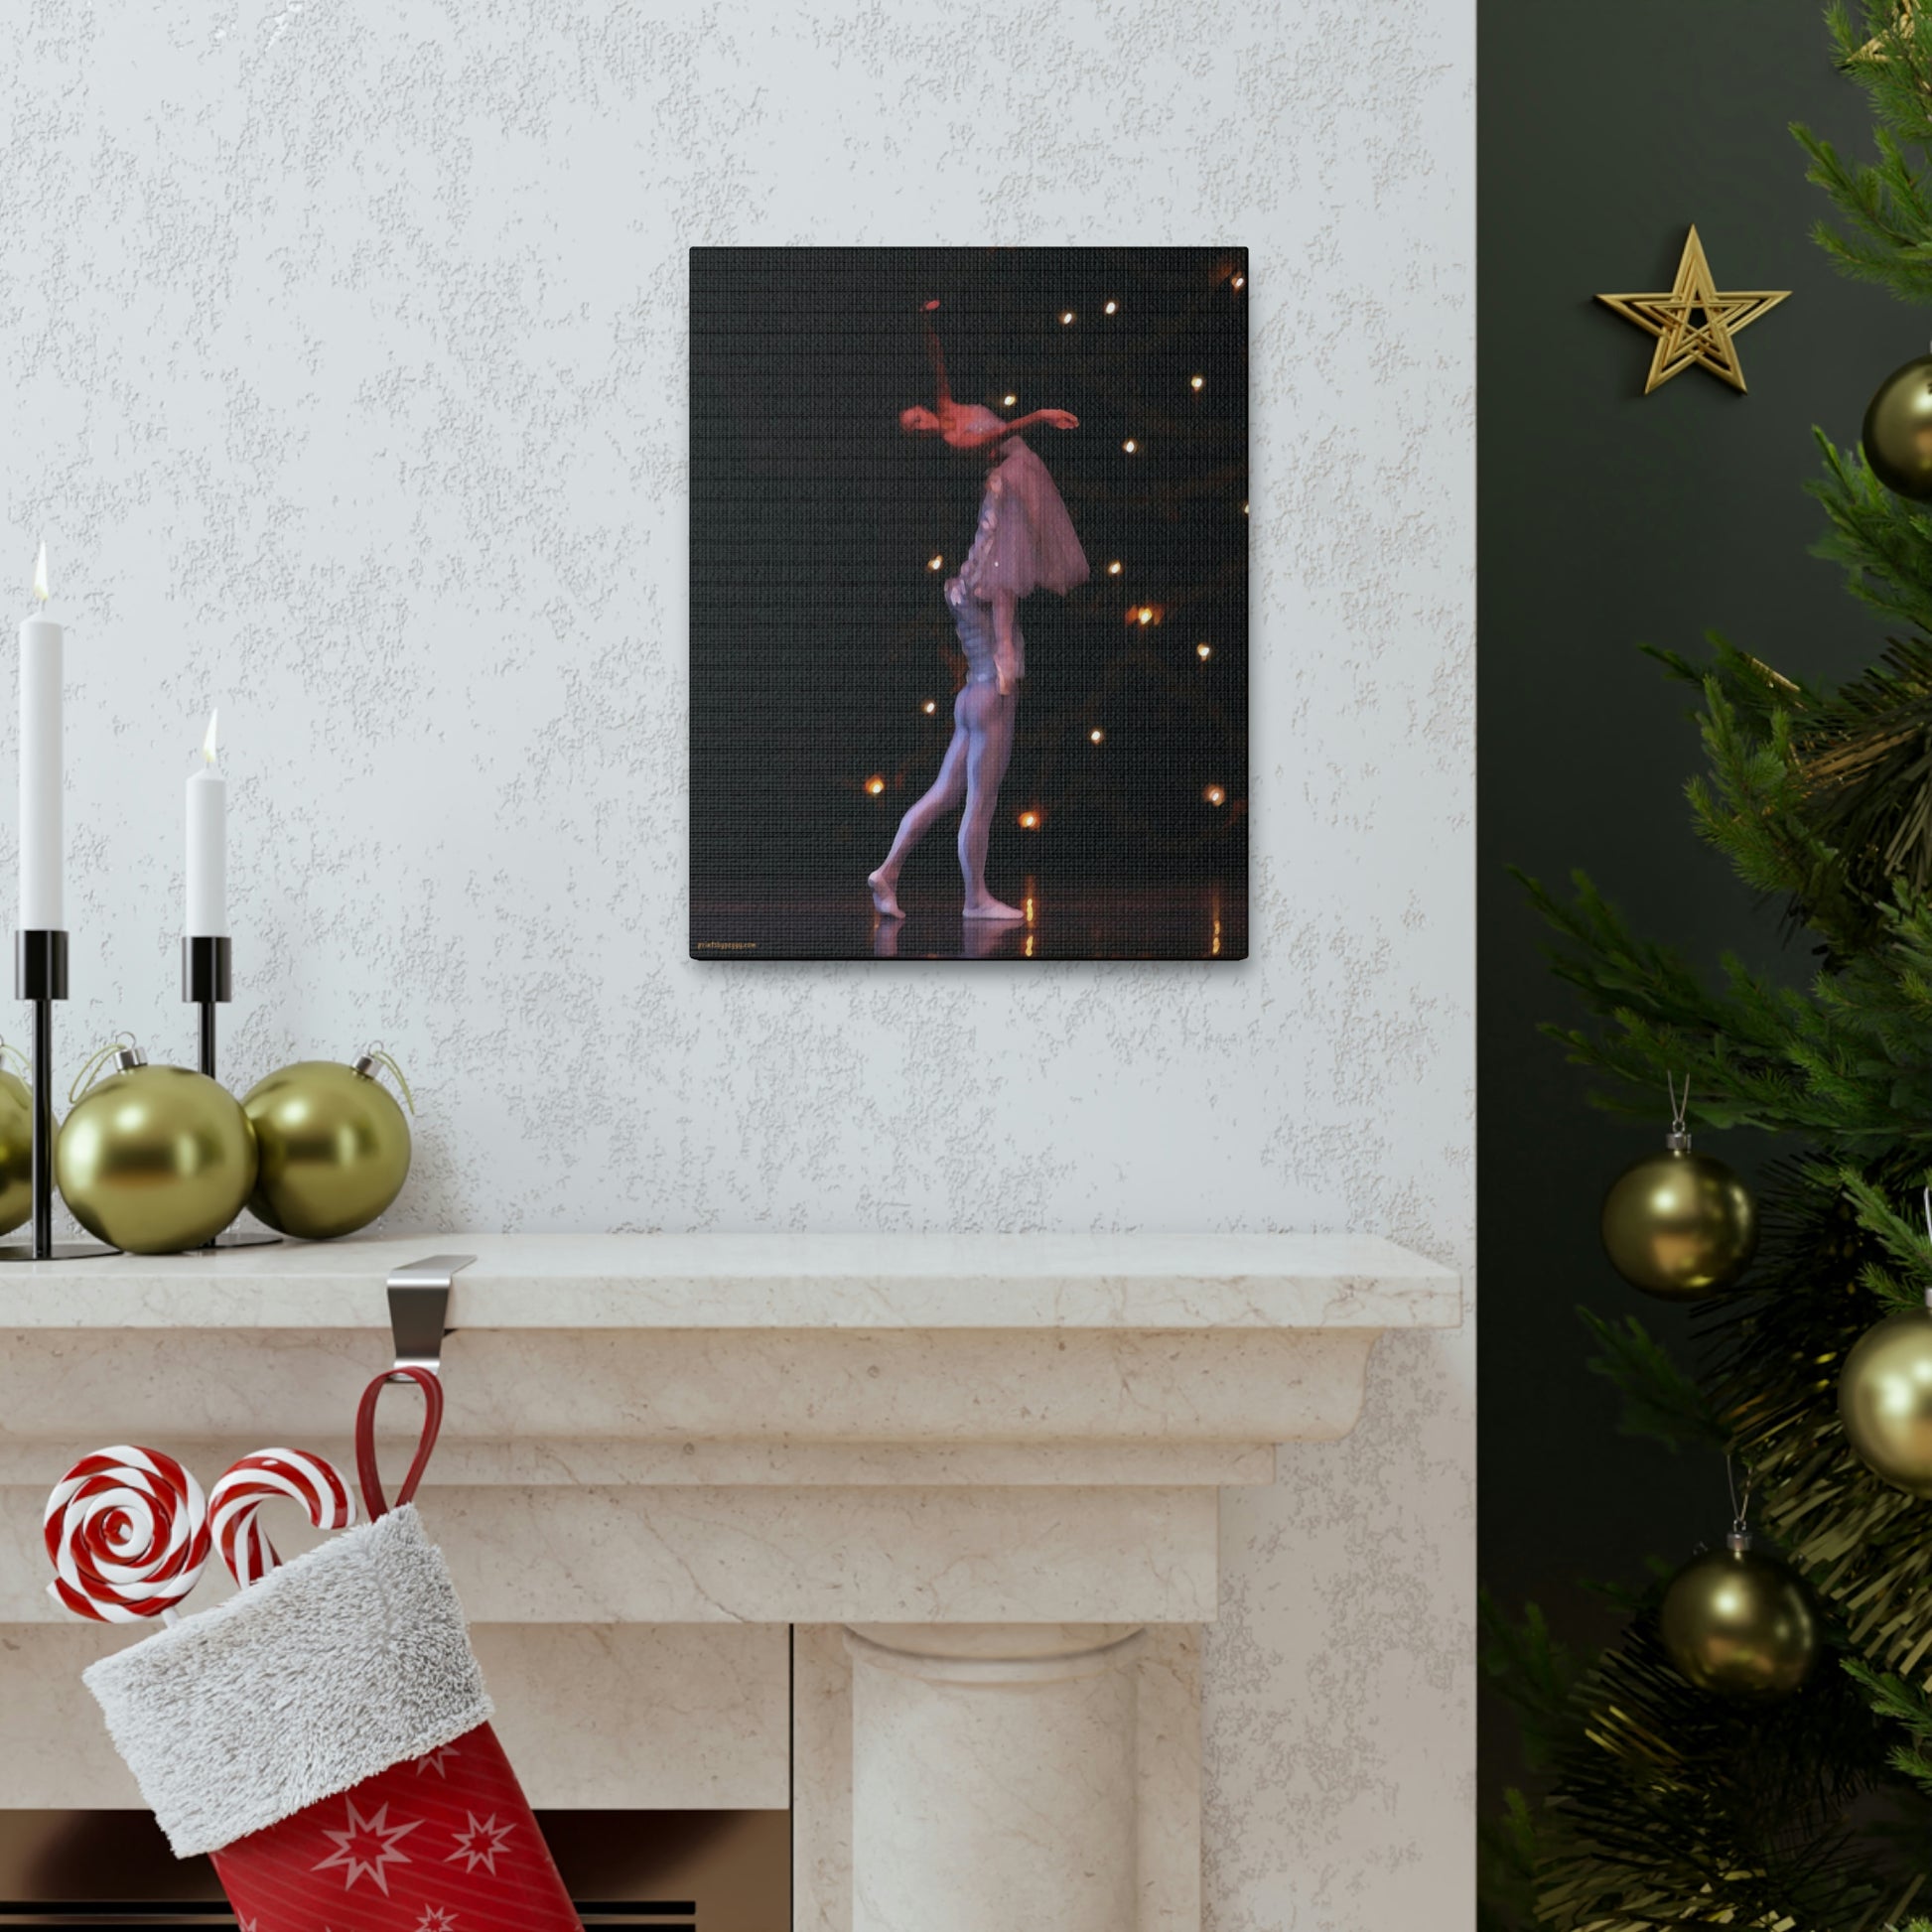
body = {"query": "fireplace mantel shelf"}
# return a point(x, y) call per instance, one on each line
point(766, 1282)
point(978, 1476)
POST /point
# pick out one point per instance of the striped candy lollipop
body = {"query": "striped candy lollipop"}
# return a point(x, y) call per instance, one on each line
point(270, 1476)
point(126, 1530)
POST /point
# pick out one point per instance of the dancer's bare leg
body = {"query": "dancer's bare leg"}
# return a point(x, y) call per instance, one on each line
point(946, 790)
point(988, 717)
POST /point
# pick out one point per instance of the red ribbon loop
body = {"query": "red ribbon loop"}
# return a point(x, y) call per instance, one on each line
point(365, 1469)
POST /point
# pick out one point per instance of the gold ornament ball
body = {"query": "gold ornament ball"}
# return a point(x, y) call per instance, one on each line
point(1740, 1624)
point(1680, 1225)
point(16, 1151)
point(1897, 434)
point(155, 1159)
point(1885, 1401)
point(335, 1149)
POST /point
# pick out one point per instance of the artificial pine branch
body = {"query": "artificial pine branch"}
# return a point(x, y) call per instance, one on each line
point(1848, 1062)
point(1885, 229)
point(1750, 686)
point(1906, 1705)
point(1861, 769)
point(1537, 1674)
point(1679, 1809)
point(1902, 1244)
point(1538, 1677)
point(1660, 1401)
point(1506, 1865)
point(1882, 542)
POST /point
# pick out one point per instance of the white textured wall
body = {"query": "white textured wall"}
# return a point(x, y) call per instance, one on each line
point(345, 360)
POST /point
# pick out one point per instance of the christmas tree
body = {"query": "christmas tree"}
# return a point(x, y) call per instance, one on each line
point(1676, 1797)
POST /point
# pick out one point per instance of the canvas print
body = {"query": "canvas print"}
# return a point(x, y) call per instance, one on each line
point(969, 603)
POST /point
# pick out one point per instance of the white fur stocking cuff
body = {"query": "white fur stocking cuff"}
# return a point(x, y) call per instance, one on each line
point(333, 1668)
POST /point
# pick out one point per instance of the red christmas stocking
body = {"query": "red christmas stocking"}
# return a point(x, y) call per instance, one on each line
point(323, 1734)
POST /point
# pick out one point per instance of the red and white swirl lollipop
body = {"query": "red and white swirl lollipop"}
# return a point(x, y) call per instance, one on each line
point(273, 1475)
point(126, 1531)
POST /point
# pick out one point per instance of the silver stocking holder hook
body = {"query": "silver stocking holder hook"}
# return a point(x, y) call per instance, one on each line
point(419, 1308)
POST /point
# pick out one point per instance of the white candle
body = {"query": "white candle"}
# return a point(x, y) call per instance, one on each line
point(207, 846)
point(42, 848)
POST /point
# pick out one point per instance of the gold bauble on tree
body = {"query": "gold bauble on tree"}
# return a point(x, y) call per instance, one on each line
point(16, 1147)
point(1884, 1400)
point(155, 1159)
point(335, 1145)
point(1740, 1624)
point(1898, 436)
point(1679, 1224)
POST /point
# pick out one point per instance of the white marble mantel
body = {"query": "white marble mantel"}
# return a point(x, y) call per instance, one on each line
point(977, 1474)
point(770, 1281)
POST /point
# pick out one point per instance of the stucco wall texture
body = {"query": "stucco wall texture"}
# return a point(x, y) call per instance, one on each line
point(345, 348)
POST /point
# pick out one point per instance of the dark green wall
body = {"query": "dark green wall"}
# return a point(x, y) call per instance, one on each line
point(1607, 518)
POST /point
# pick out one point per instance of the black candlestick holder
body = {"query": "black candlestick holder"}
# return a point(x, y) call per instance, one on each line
point(208, 982)
point(41, 976)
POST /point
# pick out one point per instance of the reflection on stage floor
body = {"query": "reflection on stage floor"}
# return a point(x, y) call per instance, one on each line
point(1122, 922)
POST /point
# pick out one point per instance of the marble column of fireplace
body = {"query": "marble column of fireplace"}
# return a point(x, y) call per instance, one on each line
point(977, 1477)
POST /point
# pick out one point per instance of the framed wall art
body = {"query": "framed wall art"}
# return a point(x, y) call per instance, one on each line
point(969, 603)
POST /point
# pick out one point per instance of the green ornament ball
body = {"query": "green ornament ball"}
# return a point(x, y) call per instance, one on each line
point(334, 1147)
point(1680, 1225)
point(155, 1159)
point(1898, 436)
point(16, 1151)
point(1740, 1624)
point(1884, 1400)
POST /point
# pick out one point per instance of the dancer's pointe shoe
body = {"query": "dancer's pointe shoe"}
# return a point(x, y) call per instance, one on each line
point(992, 909)
point(884, 897)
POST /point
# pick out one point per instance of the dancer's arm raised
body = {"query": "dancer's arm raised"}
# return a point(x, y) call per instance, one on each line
point(958, 437)
point(952, 425)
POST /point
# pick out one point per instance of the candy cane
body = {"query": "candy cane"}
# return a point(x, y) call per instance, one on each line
point(126, 1530)
point(267, 1475)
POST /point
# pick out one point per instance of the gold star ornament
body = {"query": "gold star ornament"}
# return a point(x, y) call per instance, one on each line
point(1695, 323)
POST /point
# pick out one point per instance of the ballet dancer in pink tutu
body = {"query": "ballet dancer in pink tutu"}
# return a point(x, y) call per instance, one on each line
point(1025, 542)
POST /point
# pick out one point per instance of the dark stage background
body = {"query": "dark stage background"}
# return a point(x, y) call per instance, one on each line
point(1608, 517)
point(823, 658)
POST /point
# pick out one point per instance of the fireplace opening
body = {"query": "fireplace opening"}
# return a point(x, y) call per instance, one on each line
point(672, 1871)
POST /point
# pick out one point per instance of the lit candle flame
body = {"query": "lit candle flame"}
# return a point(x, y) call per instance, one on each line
point(40, 573)
point(207, 744)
